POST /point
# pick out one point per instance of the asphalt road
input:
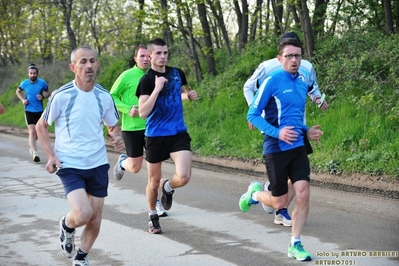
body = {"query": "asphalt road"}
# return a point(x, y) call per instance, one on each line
point(204, 226)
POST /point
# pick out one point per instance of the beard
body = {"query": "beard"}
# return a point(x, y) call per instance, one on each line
point(33, 79)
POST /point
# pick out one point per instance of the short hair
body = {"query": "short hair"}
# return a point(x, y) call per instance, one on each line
point(33, 66)
point(84, 47)
point(288, 35)
point(155, 42)
point(140, 46)
point(288, 41)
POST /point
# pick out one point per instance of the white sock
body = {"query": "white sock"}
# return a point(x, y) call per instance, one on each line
point(255, 196)
point(167, 187)
point(152, 212)
point(295, 239)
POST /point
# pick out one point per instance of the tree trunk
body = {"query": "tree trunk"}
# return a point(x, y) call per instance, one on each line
point(245, 20)
point(216, 9)
point(319, 17)
point(278, 16)
point(388, 17)
point(256, 17)
point(65, 6)
point(308, 41)
point(210, 60)
point(167, 33)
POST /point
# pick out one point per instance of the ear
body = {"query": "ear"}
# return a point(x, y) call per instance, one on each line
point(279, 58)
point(72, 67)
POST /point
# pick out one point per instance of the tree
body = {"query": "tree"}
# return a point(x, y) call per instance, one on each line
point(210, 60)
point(65, 7)
point(388, 17)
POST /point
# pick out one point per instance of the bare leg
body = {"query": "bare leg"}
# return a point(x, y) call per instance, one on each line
point(133, 165)
point(32, 137)
point(182, 160)
point(301, 209)
point(86, 210)
point(154, 178)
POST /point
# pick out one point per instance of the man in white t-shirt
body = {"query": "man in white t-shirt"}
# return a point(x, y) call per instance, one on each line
point(79, 110)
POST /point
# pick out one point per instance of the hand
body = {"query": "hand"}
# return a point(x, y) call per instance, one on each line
point(287, 134)
point(159, 83)
point(314, 133)
point(251, 127)
point(117, 142)
point(192, 95)
point(134, 111)
point(25, 102)
point(324, 105)
point(39, 97)
point(53, 164)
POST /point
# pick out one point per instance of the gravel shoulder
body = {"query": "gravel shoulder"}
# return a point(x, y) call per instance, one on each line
point(373, 186)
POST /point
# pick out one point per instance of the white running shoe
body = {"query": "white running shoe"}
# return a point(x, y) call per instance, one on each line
point(265, 207)
point(118, 171)
point(84, 262)
point(282, 217)
point(35, 158)
point(160, 210)
point(67, 240)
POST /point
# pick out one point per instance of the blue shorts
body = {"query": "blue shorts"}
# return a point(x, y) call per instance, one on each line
point(94, 181)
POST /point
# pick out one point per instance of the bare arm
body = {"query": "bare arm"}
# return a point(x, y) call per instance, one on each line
point(147, 102)
point(115, 135)
point(21, 96)
point(44, 139)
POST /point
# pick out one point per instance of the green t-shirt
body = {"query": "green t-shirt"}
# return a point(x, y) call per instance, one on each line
point(124, 94)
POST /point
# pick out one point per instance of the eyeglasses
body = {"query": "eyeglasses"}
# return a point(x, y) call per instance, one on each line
point(290, 56)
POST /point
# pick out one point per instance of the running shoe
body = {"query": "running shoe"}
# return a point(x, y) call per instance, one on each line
point(153, 224)
point(167, 197)
point(67, 240)
point(282, 217)
point(35, 158)
point(160, 210)
point(298, 252)
point(84, 262)
point(265, 207)
point(246, 200)
point(118, 171)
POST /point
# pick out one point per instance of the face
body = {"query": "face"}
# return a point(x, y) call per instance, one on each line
point(142, 59)
point(85, 66)
point(32, 73)
point(291, 65)
point(159, 56)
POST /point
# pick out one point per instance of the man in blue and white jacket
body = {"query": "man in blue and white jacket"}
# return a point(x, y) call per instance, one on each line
point(282, 97)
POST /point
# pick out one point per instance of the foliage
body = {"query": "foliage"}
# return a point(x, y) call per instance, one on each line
point(358, 71)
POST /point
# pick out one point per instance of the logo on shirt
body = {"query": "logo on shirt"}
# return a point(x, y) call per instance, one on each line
point(287, 90)
point(301, 77)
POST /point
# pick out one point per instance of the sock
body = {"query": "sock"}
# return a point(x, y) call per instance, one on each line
point(294, 240)
point(69, 230)
point(268, 187)
point(278, 211)
point(121, 165)
point(152, 212)
point(255, 196)
point(167, 187)
point(80, 255)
